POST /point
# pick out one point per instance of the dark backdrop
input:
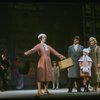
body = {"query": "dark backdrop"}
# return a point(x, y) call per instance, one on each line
point(20, 24)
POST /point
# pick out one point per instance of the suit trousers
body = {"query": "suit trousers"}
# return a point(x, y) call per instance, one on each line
point(71, 84)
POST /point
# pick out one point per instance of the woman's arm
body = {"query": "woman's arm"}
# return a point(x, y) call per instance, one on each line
point(31, 51)
point(54, 52)
point(98, 56)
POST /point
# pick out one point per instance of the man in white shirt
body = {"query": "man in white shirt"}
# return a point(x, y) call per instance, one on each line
point(75, 52)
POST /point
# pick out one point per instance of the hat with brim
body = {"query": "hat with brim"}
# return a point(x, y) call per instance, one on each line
point(41, 35)
point(77, 37)
point(86, 50)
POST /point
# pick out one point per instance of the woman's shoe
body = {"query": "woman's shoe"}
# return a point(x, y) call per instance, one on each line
point(47, 92)
point(40, 94)
point(87, 90)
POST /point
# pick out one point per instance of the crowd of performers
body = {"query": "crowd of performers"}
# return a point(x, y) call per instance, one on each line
point(85, 69)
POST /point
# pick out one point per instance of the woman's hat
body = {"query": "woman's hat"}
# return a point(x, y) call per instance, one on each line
point(41, 35)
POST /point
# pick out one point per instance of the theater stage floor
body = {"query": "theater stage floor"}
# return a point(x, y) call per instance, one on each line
point(55, 93)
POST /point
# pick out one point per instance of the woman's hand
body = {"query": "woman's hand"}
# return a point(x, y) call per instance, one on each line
point(2, 67)
point(63, 58)
point(25, 53)
point(98, 65)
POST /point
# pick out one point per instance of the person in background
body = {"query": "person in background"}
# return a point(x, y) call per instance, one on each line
point(94, 50)
point(85, 63)
point(56, 75)
point(4, 65)
point(44, 64)
point(18, 76)
point(75, 52)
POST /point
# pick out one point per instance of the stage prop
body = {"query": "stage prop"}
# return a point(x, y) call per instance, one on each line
point(66, 63)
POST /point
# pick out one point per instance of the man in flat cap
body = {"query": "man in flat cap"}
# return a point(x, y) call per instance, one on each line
point(75, 52)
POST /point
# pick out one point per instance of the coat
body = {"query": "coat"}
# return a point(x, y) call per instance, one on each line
point(44, 68)
point(74, 71)
point(95, 56)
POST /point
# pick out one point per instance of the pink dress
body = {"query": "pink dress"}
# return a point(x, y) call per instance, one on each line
point(85, 63)
point(44, 69)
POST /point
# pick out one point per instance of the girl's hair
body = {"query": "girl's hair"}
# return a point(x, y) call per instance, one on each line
point(92, 39)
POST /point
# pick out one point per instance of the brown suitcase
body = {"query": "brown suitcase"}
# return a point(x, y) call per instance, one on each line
point(66, 63)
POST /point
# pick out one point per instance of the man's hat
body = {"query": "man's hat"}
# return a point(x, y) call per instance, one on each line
point(77, 37)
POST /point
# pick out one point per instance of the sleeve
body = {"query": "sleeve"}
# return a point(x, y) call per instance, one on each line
point(82, 48)
point(0, 60)
point(90, 63)
point(81, 51)
point(98, 55)
point(80, 63)
point(54, 52)
point(7, 63)
point(69, 52)
point(33, 50)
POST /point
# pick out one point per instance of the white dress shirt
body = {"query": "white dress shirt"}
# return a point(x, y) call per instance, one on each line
point(76, 46)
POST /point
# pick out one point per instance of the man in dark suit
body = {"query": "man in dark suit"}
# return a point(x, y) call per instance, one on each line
point(75, 52)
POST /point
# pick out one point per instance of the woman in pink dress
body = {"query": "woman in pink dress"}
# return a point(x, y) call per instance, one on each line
point(44, 64)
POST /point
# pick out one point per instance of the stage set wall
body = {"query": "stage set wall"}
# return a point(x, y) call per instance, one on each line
point(20, 24)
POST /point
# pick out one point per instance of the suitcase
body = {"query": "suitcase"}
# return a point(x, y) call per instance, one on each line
point(66, 63)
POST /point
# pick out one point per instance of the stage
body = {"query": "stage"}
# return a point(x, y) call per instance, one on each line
point(55, 93)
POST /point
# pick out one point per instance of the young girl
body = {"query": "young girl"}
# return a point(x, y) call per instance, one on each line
point(85, 63)
point(55, 74)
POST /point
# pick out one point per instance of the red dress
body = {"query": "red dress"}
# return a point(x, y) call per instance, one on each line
point(44, 69)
